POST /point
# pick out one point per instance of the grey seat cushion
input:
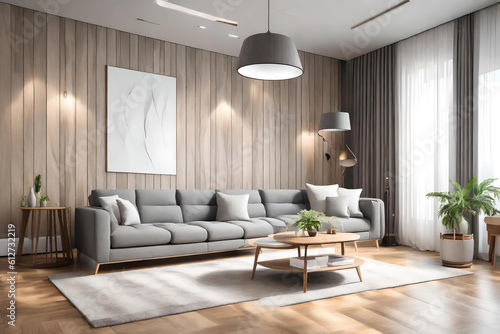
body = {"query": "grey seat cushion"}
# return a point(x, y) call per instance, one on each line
point(355, 224)
point(255, 228)
point(139, 235)
point(220, 230)
point(277, 224)
point(184, 233)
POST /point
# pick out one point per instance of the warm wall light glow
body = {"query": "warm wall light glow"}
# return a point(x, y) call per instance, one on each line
point(343, 155)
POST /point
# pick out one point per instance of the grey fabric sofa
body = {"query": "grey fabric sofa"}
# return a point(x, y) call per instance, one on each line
point(183, 222)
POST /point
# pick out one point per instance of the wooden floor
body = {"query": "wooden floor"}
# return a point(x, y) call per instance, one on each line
point(469, 304)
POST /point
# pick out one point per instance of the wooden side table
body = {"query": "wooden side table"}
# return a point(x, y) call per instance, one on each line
point(57, 221)
point(493, 228)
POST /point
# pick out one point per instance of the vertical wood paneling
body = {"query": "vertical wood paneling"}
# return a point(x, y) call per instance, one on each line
point(5, 111)
point(236, 127)
point(111, 60)
point(205, 116)
point(91, 108)
point(40, 97)
point(17, 187)
point(81, 117)
point(53, 96)
point(157, 69)
point(192, 131)
point(28, 93)
point(258, 139)
point(101, 106)
point(181, 117)
point(123, 60)
point(68, 111)
point(232, 132)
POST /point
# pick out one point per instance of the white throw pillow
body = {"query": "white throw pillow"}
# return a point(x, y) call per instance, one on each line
point(232, 207)
point(317, 195)
point(353, 195)
point(109, 204)
point(129, 213)
point(337, 207)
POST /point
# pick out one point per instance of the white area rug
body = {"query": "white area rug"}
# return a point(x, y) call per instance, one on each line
point(115, 298)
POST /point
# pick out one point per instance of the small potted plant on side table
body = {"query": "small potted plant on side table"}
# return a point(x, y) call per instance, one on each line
point(457, 249)
point(43, 201)
point(310, 221)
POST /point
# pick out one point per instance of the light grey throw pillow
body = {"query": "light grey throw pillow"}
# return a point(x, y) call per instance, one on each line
point(337, 207)
point(317, 195)
point(353, 196)
point(129, 213)
point(109, 204)
point(232, 207)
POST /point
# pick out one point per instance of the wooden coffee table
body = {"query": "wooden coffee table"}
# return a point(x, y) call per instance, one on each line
point(319, 239)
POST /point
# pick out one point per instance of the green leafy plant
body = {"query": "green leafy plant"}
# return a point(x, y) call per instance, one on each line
point(44, 198)
point(309, 220)
point(474, 198)
point(38, 183)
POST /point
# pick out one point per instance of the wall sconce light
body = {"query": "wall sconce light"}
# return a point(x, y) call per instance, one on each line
point(337, 121)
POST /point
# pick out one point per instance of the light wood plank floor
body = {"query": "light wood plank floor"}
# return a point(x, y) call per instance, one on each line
point(469, 304)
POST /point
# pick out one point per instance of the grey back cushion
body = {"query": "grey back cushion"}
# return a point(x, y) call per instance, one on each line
point(279, 202)
point(197, 204)
point(158, 206)
point(128, 194)
point(255, 207)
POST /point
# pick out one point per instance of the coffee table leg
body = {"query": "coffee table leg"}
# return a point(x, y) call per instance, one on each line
point(298, 250)
point(342, 247)
point(257, 251)
point(305, 268)
point(358, 269)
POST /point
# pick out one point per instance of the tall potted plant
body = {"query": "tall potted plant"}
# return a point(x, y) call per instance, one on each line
point(457, 249)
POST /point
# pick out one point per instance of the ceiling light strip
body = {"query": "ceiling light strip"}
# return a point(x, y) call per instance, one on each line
point(380, 14)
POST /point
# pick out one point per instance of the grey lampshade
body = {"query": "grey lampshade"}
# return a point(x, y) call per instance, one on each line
point(335, 121)
point(269, 56)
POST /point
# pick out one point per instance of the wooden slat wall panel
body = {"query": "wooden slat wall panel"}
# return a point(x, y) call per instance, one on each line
point(232, 132)
point(5, 114)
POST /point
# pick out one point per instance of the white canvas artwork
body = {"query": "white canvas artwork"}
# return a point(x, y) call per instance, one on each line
point(141, 122)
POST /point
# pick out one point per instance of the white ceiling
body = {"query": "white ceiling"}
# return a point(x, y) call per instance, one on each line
point(318, 26)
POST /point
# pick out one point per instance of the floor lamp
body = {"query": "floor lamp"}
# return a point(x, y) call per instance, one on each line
point(338, 121)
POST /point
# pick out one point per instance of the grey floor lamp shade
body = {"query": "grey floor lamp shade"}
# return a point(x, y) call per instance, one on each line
point(334, 121)
point(269, 56)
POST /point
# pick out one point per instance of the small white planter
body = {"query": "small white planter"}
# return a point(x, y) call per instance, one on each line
point(457, 250)
point(43, 204)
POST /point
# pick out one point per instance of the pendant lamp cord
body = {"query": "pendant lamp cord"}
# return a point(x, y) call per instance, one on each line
point(268, 11)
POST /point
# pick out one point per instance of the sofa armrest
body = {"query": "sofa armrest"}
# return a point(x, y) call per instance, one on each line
point(374, 210)
point(93, 233)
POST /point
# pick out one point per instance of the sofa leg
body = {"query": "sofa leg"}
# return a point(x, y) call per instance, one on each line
point(96, 268)
point(376, 243)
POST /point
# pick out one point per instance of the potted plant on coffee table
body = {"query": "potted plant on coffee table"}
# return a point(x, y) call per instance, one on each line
point(310, 221)
point(457, 249)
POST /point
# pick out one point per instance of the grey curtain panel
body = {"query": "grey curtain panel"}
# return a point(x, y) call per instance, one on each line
point(370, 100)
point(463, 97)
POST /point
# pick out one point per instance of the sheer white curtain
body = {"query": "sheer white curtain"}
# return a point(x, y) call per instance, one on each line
point(424, 125)
point(487, 59)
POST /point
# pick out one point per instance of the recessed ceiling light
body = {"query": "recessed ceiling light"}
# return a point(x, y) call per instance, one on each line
point(202, 27)
point(233, 36)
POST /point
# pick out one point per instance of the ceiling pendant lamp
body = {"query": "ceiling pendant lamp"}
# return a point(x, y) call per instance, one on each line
point(269, 56)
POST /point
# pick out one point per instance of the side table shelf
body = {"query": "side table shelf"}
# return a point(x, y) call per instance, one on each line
point(58, 219)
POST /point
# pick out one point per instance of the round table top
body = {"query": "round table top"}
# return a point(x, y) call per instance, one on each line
point(44, 207)
point(319, 239)
point(492, 220)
